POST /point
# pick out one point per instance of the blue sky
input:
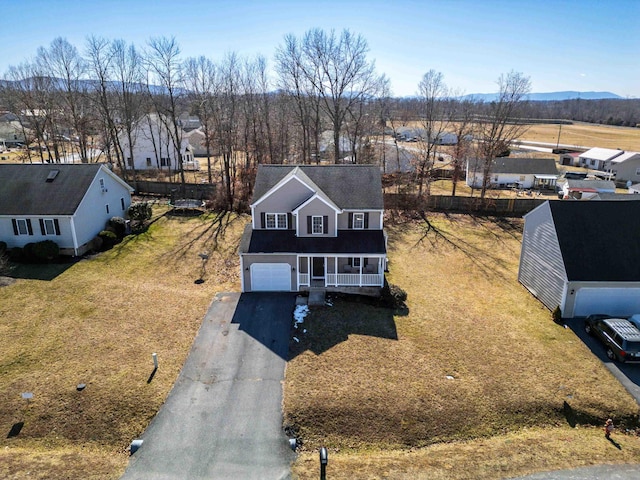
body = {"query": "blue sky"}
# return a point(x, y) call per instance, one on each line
point(584, 45)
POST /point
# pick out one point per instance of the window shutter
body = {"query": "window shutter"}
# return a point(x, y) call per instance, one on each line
point(29, 227)
point(350, 219)
point(309, 224)
point(42, 227)
point(15, 226)
point(366, 220)
point(262, 220)
point(290, 221)
point(325, 224)
point(56, 225)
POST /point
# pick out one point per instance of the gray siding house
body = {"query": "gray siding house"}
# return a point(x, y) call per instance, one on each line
point(67, 203)
point(315, 226)
point(583, 257)
point(514, 171)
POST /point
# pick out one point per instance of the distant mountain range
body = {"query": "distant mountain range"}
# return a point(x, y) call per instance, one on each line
point(550, 96)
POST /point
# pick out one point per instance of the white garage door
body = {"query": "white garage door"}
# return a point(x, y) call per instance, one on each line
point(274, 277)
point(614, 301)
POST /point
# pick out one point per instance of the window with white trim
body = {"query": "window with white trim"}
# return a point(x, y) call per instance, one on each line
point(317, 225)
point(21, 226)
point(148, 161)
point(637, 171)
point(276, 221)
point(165, 162)
point(358, 221)
point(49, 226)
point(355, 261)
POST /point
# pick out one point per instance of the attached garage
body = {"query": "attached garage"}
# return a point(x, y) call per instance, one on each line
point(613, 301)
point(273, 277)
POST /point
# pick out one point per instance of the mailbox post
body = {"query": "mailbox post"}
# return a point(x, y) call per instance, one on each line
point(324, 459)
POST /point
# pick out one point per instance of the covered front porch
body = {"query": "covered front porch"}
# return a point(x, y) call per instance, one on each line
point(340, 271)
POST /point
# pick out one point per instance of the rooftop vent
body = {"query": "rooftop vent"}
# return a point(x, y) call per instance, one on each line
point(52, 175)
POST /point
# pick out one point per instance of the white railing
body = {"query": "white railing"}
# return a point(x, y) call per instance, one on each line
point(354, 279)
point(303, 278)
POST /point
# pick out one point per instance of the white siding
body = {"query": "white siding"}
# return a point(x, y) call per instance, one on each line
point(542, 269)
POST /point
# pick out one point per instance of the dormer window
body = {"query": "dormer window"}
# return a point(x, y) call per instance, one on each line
point(276, 221)
point(317, 224)
point(358, 221)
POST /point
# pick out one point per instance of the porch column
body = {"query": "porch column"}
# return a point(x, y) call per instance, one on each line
point(361, 265)
point(335, 271)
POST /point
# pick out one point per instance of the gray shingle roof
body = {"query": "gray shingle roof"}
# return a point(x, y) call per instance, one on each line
point(285, 241)
point(349, 186)
point(599, 240)
point(524, 166)
point(25, 191)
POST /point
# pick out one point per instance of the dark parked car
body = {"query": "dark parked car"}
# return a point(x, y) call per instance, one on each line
point(620, 337)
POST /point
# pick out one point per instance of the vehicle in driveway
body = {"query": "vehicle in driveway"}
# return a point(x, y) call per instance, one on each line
point(620, 337)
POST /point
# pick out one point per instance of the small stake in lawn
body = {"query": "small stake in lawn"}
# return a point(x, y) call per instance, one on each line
point(324, 459)
point(155, 360)
point(204, 256)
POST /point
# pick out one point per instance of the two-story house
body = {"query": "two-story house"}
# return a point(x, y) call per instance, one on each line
point(315, 226)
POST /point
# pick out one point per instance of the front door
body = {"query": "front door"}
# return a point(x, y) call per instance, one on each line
point(318, 267)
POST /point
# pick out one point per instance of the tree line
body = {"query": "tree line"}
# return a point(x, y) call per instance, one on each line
point(324, 102)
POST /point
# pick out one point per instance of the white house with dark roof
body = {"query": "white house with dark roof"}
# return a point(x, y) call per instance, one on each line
point(539, 173)
point(597, 158)
point(583, 257)
point(154, 148)
point(67, 203)
point(315, 226)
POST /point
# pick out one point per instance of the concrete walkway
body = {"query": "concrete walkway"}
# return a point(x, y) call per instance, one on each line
point(223, 417)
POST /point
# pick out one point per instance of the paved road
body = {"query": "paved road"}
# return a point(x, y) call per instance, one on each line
point(223, 418)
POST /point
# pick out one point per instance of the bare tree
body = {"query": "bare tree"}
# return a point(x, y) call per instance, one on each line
point(503, 121)
point(62, 63)
point(462, 126)
point(338, 71)
point(434, 120)
point(200, 79)
point(165, 70)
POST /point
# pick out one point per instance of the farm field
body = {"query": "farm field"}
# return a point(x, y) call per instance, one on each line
point(586, 134)
point(472, 381)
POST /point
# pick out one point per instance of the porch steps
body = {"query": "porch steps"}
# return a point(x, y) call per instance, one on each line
point(316, 296)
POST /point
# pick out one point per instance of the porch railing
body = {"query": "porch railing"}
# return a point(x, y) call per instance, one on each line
point(355, 279)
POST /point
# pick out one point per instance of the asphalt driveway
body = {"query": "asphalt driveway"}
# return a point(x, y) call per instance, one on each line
point(628, 374)
point(223, 417)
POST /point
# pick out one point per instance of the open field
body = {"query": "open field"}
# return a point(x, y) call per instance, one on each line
point(586, 134)
point(473, 380)
point(97, 322)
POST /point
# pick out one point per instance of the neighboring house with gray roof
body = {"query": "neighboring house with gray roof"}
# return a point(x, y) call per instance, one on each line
point(538, 173)
point(315, 226)
point(583, 257)
point(67, 203)
point(625, 167)
point(597, 158)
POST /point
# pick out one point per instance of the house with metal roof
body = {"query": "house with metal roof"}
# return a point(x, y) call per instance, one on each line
point(596, 158)
point(505, 172)
point(315, 226)
point(583, 257)
point(66, 203)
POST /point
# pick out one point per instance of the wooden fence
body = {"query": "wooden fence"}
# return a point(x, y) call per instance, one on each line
point(198, 191)
point(512, 207)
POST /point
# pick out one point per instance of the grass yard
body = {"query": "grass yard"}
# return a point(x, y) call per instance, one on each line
point(474, 381)
point(98, 322)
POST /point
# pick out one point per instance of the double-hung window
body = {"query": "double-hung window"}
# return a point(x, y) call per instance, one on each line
point(21, 227)
point(276, 221)
point(317, 224)
point(49, 226)
point(358, 221)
